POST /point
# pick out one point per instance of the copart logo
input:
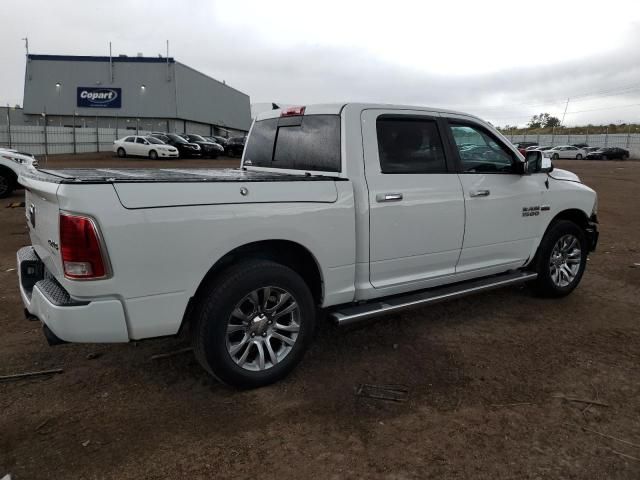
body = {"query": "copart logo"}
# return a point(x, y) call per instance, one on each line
point(94, 97)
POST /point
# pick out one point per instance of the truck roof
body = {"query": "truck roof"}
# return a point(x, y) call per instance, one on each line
point(336, 109)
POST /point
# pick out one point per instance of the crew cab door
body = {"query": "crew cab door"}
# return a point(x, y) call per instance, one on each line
point(503, 208)
point(416, 207)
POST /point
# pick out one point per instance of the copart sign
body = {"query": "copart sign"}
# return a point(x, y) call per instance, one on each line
point(99, 97)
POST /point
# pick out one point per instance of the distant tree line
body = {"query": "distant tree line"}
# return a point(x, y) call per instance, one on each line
point(545, 123)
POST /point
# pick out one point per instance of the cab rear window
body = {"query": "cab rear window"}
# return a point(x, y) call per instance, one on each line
point(310, 142)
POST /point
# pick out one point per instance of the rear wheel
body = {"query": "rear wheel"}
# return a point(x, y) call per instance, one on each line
point(561, 259)
point(153, 155)
point(7, 184)
point(625, 156)
point(121, 152)
point(253, 323)
point(579, 156)
point(556, 156)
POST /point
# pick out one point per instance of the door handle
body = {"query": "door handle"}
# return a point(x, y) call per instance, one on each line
point(388, 197)
point(479, 193)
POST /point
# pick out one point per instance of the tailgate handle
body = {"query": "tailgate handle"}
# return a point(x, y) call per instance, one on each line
point(388, 197)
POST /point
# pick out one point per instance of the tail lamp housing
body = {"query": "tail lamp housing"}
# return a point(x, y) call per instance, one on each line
point(83, 254)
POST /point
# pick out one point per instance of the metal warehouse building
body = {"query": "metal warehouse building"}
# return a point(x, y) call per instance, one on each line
point(146, 93)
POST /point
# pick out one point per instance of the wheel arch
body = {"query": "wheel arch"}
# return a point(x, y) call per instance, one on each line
point(292, 254)
point(575, 215)
point(10, 173)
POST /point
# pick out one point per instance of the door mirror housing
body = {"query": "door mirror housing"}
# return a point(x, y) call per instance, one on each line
point(537, 162)
point(521, 167)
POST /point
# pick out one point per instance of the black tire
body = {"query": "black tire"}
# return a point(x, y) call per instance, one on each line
point(220, 297)
point(544, 285)
point(7, 183)
point(122, 153)
point(555, 156)
point(153, 155)
point(579, 156)
point(625, 156)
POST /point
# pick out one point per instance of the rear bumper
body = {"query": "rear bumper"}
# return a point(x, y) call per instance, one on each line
point(69, 319)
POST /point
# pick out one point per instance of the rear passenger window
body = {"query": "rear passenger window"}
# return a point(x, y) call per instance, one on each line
point(409, 145)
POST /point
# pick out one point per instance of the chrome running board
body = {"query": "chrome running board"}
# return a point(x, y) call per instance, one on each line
point(348, 315)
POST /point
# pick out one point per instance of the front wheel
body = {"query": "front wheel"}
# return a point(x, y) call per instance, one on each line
point(579, 157)
point(253, 323)
point(556, 156)
point(625, 156)
point(561, 259)
point(121, 152)
point(153, 155)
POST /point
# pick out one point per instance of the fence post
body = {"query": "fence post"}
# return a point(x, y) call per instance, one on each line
point(116, 128)
point(97, 136)
point(628, 136)
point(46, 140)
point(137, 125)
point(9, 124)
point(75, 149)
point(606, 138)
point(587, 140)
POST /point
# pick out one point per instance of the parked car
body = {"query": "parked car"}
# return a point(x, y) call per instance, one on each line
point(358, 210)
point(523, 146)
point(219, 140)
point(143, 146)
point(235, 146)
point(185, 149)
point(209, 149)
point(544, 148)
point(565, 151)
point(12, 163)
point(588, 150)
point(581, 145)
point(609, 153)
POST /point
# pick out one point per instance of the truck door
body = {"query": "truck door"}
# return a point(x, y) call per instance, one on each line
point(416, 205)
point(504, 209)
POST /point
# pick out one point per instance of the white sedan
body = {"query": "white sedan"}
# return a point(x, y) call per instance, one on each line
point(144, 146)
point(565, 151)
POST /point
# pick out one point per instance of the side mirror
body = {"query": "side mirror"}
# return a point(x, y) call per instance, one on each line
point(537, 162)
point(521, 168)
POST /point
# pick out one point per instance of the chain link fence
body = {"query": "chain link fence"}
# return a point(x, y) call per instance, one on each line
point(50, 140)
point(629, 141)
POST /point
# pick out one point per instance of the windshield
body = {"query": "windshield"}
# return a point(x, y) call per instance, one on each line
point(154, 140)
point(197, 138)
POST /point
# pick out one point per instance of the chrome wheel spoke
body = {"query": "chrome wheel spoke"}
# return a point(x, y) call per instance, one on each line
point(266, 293)
point(245, 354)
point(292, 327)
point(293, 306)
point(234, 328)
point(281, 301)
point(260, 357)
point(272, 355)
point(235, 348)
point(283, 338)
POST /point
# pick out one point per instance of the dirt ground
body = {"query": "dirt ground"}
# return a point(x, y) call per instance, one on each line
point(484, 376)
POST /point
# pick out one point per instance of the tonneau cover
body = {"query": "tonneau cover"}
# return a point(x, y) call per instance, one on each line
point(164, 175)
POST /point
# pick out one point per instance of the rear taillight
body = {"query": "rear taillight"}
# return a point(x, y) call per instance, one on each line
point(82, 256)
point(292, 112)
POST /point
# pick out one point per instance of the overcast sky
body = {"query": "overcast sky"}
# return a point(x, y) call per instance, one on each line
point(496, 59)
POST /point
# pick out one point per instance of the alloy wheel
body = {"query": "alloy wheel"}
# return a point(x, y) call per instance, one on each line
point(263, 328)
point(564, 263)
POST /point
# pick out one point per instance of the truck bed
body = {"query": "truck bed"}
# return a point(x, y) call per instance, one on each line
point(165, 175)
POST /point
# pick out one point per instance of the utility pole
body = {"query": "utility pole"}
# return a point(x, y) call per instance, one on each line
point(565, 112)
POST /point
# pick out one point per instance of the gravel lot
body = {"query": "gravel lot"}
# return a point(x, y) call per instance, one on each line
point(484, 376)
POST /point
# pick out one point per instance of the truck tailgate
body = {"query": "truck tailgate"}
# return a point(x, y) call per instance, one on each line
point(42, 212)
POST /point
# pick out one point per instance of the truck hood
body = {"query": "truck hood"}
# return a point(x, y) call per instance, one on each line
point(566, 175)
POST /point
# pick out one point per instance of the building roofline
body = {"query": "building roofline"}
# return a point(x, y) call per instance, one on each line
point(91, 58)
point(211, 78)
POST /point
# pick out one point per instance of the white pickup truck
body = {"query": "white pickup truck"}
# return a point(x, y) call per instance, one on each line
point(12, 163)
point(357, 210)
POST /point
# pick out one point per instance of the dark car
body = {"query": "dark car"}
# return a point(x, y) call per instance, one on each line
point(609, 153)
point(522, 146)
point(219, 140)
point(235, 146)
point(580, 145)
point(186, 149)
point(209, 149)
